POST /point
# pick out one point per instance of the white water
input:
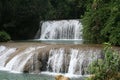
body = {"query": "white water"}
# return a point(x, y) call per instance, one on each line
point(80, 59)
point(65, 74)
point(71, 62)
point(17, 63)
point(63, 29)
point(56, 60)
point(5, 53)
point(2, 48)
point(76, 62)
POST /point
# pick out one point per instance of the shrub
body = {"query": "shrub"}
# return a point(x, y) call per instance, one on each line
point(108, 67)
point(4, 36)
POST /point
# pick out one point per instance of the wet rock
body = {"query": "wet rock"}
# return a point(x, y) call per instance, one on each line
point(43, 58)
point(61, 77)
point(32, 66)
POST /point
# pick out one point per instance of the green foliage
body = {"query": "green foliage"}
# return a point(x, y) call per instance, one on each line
point(112, 25)
point(101, 22)
point(4, 36)
point(67, 9)
point(107, 68)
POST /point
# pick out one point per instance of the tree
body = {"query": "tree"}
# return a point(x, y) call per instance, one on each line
point(101, 21)
point(20, 18)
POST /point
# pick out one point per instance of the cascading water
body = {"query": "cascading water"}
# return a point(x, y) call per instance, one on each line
point(70, 60)
point(63, 29)
point(56, 60)
point(75, 62)
point(5, 53)
point(18, 62)
point(36, 59)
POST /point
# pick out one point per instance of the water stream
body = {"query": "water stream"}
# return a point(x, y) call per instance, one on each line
point(68, 61)
point(60, 30)
point(41, 59)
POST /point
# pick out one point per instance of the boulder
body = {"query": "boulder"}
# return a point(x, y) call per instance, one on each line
point(61, 77)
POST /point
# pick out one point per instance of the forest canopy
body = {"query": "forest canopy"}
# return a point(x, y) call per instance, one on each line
point(101, 22)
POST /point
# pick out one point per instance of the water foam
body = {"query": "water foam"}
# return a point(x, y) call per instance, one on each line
point(62, 29)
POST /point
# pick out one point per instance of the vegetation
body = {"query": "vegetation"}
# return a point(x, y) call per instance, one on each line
point(101, 22)
point(100, 18)
point(4, 36)
point(20, 18)
point(108, 67)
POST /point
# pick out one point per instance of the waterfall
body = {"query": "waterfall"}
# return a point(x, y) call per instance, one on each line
point(5, 53)
point(73, 61)
point(78, 61)
point(35, 59)
point(19, 60)
point(17, 63)
point(56, 60)
point(62, 29)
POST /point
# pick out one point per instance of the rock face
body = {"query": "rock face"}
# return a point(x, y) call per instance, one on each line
point(32, 65)
point(61, 77)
